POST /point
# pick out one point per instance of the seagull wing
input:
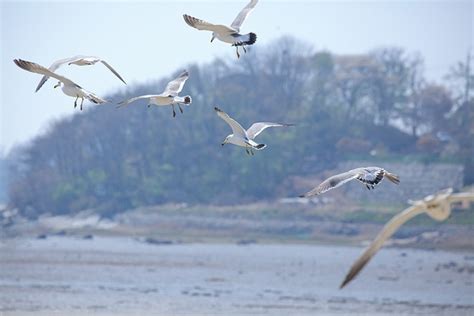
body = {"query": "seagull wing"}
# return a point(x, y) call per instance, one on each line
point(175, 86)
point(206, 26)
point(333, 182)
point(54, 66)
point(243, 15)
point(112, 70)
point(259, 127)
point(33, 67)
point(387, 231)
point(127, 102)
point(237, 129)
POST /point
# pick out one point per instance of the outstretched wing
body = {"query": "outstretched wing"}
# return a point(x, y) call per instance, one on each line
point(106, 64)
point(34, 67)
point(333, 182)
point(243, 15)
point(55, 66)
point(387, 231)
point(259, 127)
point(206, 26)
point(73, 59)
point(174, 87)
point(127, 102)
point(237, 129)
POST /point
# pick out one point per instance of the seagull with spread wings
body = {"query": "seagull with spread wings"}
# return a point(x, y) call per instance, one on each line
point(227, 34)
point(68, 86)
point(80, 61)
point(168, 97)
point(437, 206)
point(369, 176)
point(245, 138)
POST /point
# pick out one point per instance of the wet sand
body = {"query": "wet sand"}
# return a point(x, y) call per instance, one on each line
point(123, 276)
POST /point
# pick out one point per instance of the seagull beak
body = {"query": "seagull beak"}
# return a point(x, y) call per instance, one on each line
point(222, 144)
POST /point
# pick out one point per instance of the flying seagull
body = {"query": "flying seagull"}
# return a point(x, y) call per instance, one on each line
point(245, 138)
point(68, 86)
point(227, 34)
point(370, 176)
point(80, 61)
point(437, 206)
point(168, 97)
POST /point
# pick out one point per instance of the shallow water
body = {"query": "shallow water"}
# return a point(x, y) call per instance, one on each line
point(115, 276)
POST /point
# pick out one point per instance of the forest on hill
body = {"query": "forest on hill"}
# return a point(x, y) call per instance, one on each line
point(376, 105)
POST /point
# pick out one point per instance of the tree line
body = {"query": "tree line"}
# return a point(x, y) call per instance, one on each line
point(376, 105)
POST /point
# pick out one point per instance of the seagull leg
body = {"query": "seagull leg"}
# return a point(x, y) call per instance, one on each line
point(237, 51)
point(245, 51)
point(149, 105)
point(368, 188)
point(251, 151)
point(75, 102)
point(82, 101)
point(180, 109)
point(247, 151)
point(174, 112)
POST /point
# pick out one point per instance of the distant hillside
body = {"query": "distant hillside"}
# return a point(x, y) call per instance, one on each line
point(344, 107)
point(3, 181)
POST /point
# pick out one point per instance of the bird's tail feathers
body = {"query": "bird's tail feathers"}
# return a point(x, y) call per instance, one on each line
point(252, 38)
point(392, 177)
point(188, 100)
point(260, 146)
point(247, 39)
point(95, 99)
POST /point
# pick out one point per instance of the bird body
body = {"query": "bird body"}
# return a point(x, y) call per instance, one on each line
point(369, 176)
point(227, 34)
point(245, 138)
point(168, 97)
point(437, 206)
point(68, 87)
point(78, 60)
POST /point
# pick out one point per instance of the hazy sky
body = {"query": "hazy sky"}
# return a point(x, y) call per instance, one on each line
point(147, 40)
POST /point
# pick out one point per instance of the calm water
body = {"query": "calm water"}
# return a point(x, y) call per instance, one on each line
point(118, 276)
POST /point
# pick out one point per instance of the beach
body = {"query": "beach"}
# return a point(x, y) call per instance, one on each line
point(72, 275)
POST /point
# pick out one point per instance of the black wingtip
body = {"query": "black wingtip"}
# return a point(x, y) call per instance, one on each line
point(343, 284)
point(302, 196)
point(217, 109)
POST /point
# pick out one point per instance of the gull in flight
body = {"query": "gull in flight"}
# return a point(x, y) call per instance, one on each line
point(370, 176)
point(245, 138)
point(227, 34)
point(80, 61)
point(437, 206)
point(168, 97)
point(68, 86)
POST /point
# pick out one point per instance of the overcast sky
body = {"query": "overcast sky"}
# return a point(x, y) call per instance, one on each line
point(148, 40)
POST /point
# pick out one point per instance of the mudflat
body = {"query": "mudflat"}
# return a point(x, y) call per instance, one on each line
point(64, 275)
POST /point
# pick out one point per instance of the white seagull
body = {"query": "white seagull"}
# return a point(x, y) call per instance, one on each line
point(227, 34)
point(168, 97)
point(437, 206)
point(68, 86)
point(245, 138)
point(370, 176)
point(80, 61)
